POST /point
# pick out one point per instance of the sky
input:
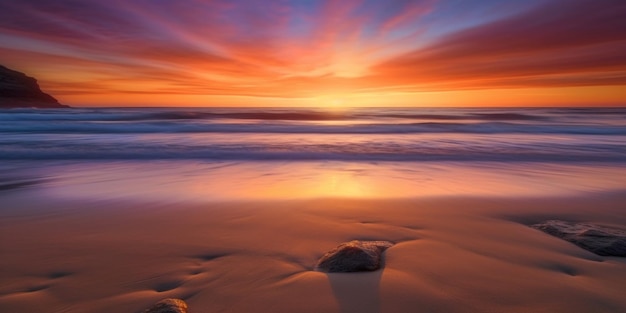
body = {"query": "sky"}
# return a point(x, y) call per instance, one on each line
point(320, 53)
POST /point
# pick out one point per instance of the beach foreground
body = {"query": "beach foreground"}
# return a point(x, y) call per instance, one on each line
point(452, 254)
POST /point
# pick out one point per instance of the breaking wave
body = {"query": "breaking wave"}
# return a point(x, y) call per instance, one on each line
point(551, 134)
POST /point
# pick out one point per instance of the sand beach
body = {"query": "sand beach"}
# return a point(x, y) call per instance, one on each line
point(451, 254)
point(107, 210)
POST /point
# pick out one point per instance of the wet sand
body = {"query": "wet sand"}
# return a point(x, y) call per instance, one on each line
point(452, 254)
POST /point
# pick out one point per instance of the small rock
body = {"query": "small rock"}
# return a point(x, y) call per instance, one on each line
point(353, 256)
point(597, 239)
point(168, 306)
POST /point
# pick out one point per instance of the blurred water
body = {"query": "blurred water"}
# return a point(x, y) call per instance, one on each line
point(184, 180)
point(527, 135)
point(234, 154)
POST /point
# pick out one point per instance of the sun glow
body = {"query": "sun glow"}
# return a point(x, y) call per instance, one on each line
point(337, 102)
point(319, 53)
point(331, 102)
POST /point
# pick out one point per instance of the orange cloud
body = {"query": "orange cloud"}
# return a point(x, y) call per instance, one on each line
point(255, 52)
point(535, 49)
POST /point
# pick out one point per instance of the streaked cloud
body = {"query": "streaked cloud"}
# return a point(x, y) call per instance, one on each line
point(562, 43)
point(304, 49)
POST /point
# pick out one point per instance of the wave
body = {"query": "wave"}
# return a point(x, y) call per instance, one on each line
point(561, 135)
point(268, 115)
point(259, 155)
point(397, 128)
point(380, 147)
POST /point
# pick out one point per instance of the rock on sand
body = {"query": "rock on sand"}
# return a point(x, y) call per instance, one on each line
point(597, 239)
point(168, 306)
point(353, 256)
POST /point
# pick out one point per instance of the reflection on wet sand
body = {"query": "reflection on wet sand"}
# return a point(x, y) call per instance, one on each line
point(226, 181)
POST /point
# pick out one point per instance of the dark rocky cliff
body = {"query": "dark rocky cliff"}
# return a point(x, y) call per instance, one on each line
point(20, 91)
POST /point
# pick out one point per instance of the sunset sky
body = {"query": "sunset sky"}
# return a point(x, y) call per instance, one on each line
point(320, 53)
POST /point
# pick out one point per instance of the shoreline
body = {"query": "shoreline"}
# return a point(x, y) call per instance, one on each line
point(451, 255)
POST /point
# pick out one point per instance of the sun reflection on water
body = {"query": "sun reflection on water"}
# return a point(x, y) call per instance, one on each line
point(232, 181)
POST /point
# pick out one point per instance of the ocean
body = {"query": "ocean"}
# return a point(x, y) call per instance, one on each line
point(233, 153)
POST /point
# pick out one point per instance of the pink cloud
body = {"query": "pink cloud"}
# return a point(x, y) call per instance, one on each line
point(544, 46)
